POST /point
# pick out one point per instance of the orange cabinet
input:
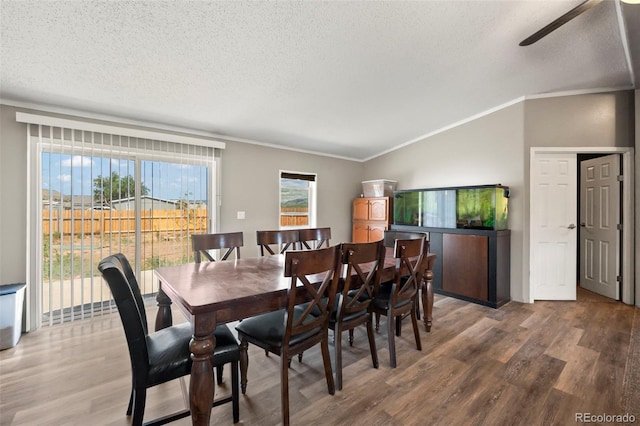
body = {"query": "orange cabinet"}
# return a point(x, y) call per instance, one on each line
point(371, 217)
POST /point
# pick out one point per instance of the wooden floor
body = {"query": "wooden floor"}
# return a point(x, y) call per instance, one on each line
point(522, 364)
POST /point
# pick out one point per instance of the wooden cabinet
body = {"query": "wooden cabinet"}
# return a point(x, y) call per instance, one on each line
point(371, 217)
point(465, 265)
point(473, 264)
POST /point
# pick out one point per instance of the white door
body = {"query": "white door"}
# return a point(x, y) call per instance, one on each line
point(599, 217)
point(553, 226)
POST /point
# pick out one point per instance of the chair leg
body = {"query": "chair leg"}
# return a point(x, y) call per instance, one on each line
point(372, 343)
point(300, 356)
point(140, 396)
point(420, 289)
point(130, 407)
point(392, 340)
point(399, 325)
point(337, 347)
point(416, 332)
point(219, 370)
point(326, 359)
point(284, 388)
point(351, 337)
point(244, 364)
point(235, 394)
point(377, 321)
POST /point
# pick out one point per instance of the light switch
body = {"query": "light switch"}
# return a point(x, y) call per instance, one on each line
point(240, 215)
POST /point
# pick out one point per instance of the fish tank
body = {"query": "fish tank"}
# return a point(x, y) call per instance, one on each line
point(468, 207)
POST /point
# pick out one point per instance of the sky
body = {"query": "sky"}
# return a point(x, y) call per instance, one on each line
point(74, 175)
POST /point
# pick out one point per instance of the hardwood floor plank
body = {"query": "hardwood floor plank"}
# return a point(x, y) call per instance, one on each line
point(522, 364)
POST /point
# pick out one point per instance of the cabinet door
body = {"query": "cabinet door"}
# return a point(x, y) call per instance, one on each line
point(360, 233)
point(361, 209)
point(376, 232)
point(378, 209)
point(465, 265)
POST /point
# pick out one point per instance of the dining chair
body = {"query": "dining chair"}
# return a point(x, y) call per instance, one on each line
point(277, 241)
point(390, 238)
point(202, 243)
point(295, 329)
point(396, 298)
point(314, 238)
point(164, 355)
point(364, 262)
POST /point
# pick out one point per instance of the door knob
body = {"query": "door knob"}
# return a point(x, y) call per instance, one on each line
point(583, 224)
point(572, 226)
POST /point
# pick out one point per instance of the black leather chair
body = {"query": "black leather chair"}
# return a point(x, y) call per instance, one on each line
point(163, 355)
point(291, 331)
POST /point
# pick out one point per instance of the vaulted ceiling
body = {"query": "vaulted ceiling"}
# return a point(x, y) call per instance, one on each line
point(348, 79)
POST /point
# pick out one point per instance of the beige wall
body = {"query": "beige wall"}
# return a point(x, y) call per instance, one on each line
point(250, 183)
point(488, 150)
point(13, 197)
point(495, 149)
point(491, 149)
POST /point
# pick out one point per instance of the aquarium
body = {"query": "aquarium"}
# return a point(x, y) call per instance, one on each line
point(472, 207)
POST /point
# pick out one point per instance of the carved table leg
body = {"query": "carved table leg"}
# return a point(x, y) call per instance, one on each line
point(163, 317)
point(202, 385)
point(427, 300)
point(244, 364)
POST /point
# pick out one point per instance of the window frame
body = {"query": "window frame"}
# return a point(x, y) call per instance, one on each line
point(312, 178)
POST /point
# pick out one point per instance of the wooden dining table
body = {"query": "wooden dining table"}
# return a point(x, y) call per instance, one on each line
point(220, 292)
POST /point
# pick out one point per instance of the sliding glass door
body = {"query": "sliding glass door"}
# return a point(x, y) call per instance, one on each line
point(104, 194)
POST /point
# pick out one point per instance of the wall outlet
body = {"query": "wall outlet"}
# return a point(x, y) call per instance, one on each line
point(240, 215)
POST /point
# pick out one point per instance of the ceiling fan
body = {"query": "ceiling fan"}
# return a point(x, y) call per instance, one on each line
point(579, 9)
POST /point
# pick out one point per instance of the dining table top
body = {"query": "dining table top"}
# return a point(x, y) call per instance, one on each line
point(225, 286)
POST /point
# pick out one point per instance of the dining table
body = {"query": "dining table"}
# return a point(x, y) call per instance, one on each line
point(219, 292)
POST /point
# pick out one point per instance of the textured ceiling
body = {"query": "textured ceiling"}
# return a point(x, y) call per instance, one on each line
point(350, 79)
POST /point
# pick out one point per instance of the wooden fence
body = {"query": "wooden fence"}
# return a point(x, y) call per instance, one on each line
point(299, 216)
point(190, 221)
point(114, 221)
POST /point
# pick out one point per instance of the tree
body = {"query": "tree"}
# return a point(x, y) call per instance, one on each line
point(114, 187)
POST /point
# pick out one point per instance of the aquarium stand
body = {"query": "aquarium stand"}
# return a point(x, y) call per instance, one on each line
point(473, 264)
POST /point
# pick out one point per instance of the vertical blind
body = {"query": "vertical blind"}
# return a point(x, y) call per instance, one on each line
point(96, 194)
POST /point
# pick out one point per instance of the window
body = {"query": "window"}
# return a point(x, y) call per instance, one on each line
point(297, 200)
point(96, 194)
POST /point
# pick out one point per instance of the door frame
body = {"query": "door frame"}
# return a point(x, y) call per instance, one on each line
point(627, 254)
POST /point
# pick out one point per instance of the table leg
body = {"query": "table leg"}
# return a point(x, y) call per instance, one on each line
point(427, 299)
point(163, 317)
point(201, 388)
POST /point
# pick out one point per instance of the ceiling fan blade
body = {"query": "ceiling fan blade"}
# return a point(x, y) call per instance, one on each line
point(581, 8)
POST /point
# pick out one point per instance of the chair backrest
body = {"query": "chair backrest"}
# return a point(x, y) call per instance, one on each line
point(202, 243)
point(284, 239)
point(306, 267)
point(408, 254)
point(117, 272)
point(314, 238)
point(362, 275)
point(392, 235)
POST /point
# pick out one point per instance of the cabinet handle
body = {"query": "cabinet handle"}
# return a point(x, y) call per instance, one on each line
point(572, 226)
